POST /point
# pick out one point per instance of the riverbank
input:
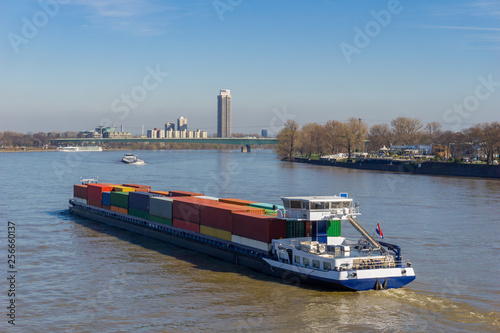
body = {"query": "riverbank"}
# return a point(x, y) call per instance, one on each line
point(424, 168)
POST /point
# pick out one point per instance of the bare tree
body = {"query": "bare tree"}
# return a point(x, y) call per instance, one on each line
point(406, 131)
point(352, 135)
point(287, 140)
point(487, 135)
point(379, 136)
point(311, 139)
point(331, 138)
point(432, 131)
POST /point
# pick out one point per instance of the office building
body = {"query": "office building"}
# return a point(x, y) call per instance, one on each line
point(170, 126)
point(224, 114)
point(182, 124)
point(264, 133)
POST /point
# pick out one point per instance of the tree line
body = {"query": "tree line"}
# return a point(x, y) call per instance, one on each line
point(356, 136)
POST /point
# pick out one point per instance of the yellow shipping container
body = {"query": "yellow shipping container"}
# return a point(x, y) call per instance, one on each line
point(209, 231)
point(123, 189)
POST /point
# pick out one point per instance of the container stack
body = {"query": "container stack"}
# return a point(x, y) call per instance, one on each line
point(245, 222)
point(139, 202)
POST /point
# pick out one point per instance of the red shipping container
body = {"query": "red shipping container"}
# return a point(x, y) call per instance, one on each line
point(184, 194)
point(93, 202)
point(94, 191)
point(162, 193)
point(186, 225)
point(220, 215)
point(141, 188)
point(80, 191)
point(234, 201)
point(260, 227)
point(187, 209)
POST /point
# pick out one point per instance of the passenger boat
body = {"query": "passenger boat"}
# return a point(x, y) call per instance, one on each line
point(302, 241)
point(131, 159)
point(79, 148)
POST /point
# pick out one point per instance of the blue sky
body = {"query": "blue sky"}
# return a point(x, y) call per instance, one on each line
point(70, 64)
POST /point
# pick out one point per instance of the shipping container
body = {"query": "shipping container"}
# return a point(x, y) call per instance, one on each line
point(106, 198)
point(184, 194)
point(235, 201)
point(161, 193)
point(251, 243)
point(80, 191)
point(161, 206)
point(94, 191)
point(260, 227)
point(220, 215)
point(119, 209)
point(207, 198)
point(222, 234)
point(138, 213)
point(140, 200)
point(295, 229)
point(141, 188)
point(160, 219)
point(187, 208)
point(334, 228)
point(93, 202)
point(186, 225)
point(119, 199)
point(106, 207)
point(123, 189)
point(270, 212)
point(262, 205)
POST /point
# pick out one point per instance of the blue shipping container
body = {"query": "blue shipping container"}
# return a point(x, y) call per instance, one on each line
point(106, 198)
point(140, 200)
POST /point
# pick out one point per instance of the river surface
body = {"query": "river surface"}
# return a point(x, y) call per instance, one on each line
point(76, 275)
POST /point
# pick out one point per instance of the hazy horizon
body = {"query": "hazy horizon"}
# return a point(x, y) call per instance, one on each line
point(73, 65)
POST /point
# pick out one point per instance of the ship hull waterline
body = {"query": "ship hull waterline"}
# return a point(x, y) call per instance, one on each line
point(228, 251)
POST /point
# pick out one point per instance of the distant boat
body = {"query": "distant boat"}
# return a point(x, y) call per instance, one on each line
point(132, 159)
point(79, 149)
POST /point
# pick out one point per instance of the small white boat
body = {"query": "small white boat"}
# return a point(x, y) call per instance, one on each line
point(132, 159)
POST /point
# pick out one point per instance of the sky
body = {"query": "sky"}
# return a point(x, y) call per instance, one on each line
point(72, 65)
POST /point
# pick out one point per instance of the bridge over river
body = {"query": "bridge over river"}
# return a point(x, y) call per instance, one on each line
point(245, 143)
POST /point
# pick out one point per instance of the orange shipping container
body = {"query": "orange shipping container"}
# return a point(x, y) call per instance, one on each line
point(188, 208)
point(184, 194)
point(234, 201)
point(140, 188)
point(162, 193)
point(119, 209)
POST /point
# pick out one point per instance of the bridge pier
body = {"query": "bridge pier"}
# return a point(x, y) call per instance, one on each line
point(246, 149)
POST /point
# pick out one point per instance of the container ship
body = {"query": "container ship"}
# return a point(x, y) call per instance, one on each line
point(300, 241)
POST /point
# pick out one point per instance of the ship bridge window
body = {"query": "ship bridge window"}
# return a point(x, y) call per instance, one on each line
point(286, 203)
point(305, 261)
point(320, 205)
point(327, 266)
point(296, 204)
point(297, 259)
point(341, 204)
point(316, 263)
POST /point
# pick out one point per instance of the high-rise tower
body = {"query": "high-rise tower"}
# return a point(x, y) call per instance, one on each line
point(224, 114)
point(182, 124)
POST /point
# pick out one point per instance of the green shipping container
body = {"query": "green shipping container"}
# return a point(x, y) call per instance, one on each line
point(270, 212)
point(295, 229)
point(334, 228)
point(160, 219)
point(119, 199)
point(262, 205)
point(138, 213)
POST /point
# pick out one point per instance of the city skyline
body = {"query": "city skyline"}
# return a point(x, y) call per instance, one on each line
point(72, 65)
